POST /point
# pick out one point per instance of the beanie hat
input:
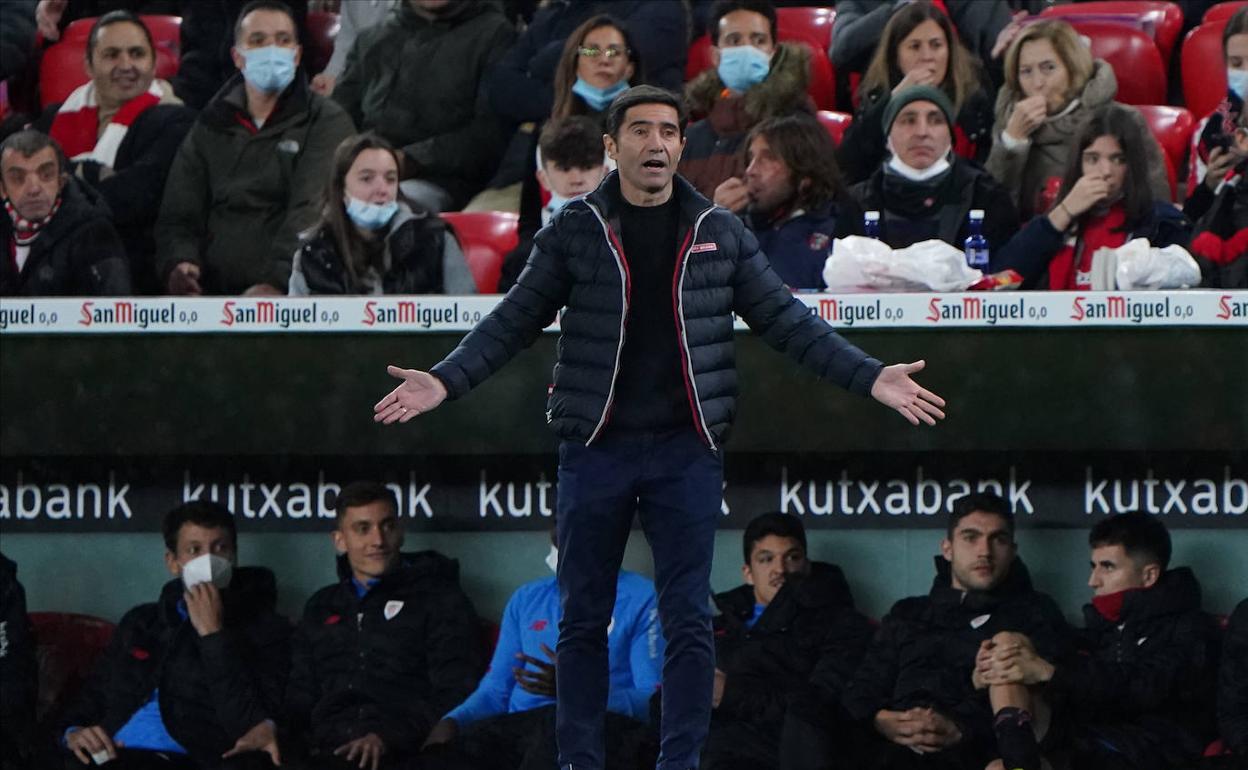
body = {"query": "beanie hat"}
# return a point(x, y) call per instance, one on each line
point(917, 94)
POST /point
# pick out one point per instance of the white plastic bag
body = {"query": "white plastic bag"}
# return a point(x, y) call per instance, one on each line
point(1140, 266)
point(866, 264)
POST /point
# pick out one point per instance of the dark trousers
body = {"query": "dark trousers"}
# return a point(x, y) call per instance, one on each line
point(525, 740)
point(674, 484)
point(820, 738)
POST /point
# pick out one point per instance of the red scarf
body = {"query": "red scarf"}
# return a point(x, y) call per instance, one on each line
point(1096, 232)
point(25, 230)
point(77, 123)
point(1110, 605)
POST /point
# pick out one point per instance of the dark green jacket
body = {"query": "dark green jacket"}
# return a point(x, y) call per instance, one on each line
point(419, 82)
point(237, 197)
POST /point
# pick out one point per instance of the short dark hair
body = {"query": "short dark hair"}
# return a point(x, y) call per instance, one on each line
point(644, 94)
point(264, 5)
point(724, 7)
point(121, 16)
point(1143, 537)
point(204, 513)
point(359, 493)
point(1236, 25)
point(572, 142)
point(30, 141)
point(982, 502)
point(803, 145)
point(779, 524)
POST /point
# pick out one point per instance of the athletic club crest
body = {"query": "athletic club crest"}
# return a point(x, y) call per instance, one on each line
point(393, 607)
point(818, 242)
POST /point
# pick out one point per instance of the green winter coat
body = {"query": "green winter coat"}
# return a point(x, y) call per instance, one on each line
point(237, 197)
point(419, 82)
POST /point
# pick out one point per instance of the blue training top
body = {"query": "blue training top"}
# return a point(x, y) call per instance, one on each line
point(531, 619)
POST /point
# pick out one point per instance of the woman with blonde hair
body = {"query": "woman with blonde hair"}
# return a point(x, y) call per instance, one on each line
point(1052, 87)
point(919, 47)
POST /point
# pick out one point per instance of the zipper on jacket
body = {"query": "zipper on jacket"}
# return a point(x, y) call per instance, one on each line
point(678, 313)
point(617, 250)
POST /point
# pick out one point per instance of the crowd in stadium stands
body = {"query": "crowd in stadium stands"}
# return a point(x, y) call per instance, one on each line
point(387, 666)
point(222, 157)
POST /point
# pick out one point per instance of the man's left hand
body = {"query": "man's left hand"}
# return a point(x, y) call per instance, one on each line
point(894, 388)
point(540, 681)
point(365, 752)
point(203, 605)
point(937, 732)
point(262, 737)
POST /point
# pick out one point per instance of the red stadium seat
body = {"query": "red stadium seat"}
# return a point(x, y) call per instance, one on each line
point(66, 646)
point(1172, 127)
point(322, 30)
point(836, 124)
point(822, 88)
point(1161, 20)
point(62, 68)
point(1204, 70)
point(1223, 11)
point(1134, 57)
point(812, 26)
point(486, 238)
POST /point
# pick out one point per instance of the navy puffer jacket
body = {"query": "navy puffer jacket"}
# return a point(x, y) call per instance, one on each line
point(578, 263)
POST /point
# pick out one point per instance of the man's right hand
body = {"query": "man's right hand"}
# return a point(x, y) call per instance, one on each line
point(86, 741)
point(922, 729)
point(419, 392)
point(732, 194)
point(184, 280)
point(323, 84)
point(443, 732)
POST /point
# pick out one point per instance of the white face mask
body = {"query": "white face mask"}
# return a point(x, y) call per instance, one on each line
point(208, 568)
point(552, 559)
point(914, 174)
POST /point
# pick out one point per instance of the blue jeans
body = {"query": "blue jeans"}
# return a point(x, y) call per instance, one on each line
point(674, 483)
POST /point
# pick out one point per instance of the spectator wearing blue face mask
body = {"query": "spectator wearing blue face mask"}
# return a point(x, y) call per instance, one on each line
point(370, 239)
point(755, 78)
point(572, 163)
point(246, 180)
point(1214, 154)
point(600, 60)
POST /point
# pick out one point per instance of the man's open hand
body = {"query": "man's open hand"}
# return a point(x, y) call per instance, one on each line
point(418, 393)
point(894, 388)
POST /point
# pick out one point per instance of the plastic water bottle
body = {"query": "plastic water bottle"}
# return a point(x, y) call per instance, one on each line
point(871, 224)
point(976, 243)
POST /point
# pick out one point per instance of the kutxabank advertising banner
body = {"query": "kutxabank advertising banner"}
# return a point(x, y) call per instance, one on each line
point(224, 315)
point(502, 493)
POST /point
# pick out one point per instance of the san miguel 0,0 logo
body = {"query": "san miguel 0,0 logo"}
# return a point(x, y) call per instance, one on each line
point(267, 313)
point(969, 308)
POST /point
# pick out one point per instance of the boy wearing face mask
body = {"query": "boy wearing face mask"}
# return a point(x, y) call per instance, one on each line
point(571, 164)
point(754, 78)
point(508, 721)
point(195, 679)
point(248, 177)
